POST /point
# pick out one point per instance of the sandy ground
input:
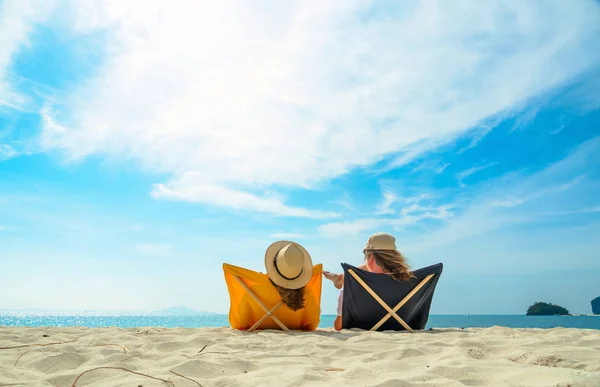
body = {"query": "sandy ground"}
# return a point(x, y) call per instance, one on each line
point(224, 357)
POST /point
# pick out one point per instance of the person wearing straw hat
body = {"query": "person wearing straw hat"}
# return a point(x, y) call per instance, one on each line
point(289, 268)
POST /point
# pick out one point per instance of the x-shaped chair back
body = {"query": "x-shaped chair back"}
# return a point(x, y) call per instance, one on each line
point(256, 304)
point(268, 312)
point(421, 287)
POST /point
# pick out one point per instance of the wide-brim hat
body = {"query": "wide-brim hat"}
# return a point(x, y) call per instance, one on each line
point(381, 241)
point(288, 264)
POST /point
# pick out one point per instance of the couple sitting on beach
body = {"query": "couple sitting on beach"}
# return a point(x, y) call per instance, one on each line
point(289, 268)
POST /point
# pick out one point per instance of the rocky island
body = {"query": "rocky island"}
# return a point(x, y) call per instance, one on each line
point(545, 309)
point(596, 305)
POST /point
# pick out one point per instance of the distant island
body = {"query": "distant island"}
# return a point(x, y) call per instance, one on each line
point(545, 309)
point(179, 310)
point(596, 305)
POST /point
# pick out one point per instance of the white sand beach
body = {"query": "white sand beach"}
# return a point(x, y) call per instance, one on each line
point(224, 357)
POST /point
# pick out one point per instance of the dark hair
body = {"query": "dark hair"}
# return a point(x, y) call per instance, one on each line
point(292, 298)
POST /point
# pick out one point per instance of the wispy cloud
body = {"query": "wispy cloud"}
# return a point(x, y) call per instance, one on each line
point(506, 200)
point(473, 170)
point(526, 118)
point(287, 235)
point(7, 152)
point(478, 135)
point(354, 227)
point(509, 201)
point(404, 205)
point(520, 199)
point(410, 216)
point(273, 96)
point(346, 202)
point(437, 166)
point(558, 130)
point(17, 19)
point(389, 198)
point(413, 151)
point(441, 168)
point(189, 188)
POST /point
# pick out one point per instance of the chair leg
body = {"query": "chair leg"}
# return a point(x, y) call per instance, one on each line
point(404, 301)
point(268, 313)
point(381, 302)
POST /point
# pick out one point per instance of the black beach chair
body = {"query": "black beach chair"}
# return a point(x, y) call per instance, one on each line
point(378, 302)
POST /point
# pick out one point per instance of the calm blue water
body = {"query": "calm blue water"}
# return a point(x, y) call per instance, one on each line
point(220, 320)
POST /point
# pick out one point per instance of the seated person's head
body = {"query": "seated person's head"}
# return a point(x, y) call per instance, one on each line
point(289, 267)
point(381, 256)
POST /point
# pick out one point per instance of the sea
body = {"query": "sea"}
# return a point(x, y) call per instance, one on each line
point(221, 320)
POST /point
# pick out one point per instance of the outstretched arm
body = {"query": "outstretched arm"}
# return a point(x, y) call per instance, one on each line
point(338, 278)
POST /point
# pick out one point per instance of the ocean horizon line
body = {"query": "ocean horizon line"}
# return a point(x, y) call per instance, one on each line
point(59, 312)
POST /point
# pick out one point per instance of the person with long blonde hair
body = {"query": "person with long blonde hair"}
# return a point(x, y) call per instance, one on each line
point(381, 256)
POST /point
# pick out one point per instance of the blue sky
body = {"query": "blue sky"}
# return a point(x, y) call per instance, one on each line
point(141, 146)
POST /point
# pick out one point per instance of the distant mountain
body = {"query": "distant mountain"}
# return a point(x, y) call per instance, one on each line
point(180, 310)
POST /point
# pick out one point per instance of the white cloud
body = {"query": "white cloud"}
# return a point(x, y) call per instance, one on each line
point(535, 193)
point(7, 152)
point(17, 19)
point(526, 118)
point(293, 93)
point(410, 216)
point(558, 130)
point(354, 227)
point(346, 202)
point(190, 187)
point(473, 170)
point(494, 205)
point(389, 198)
point(478, 135)
point(287, 236)
point(408, 204)
point(436, 166)
point(520, 199)
point(442, 168)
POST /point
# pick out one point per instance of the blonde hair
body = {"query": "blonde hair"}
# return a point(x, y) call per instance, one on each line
point(393, 263)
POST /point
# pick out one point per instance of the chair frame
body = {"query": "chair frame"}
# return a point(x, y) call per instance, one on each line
point(268, 312)
point(391, 311)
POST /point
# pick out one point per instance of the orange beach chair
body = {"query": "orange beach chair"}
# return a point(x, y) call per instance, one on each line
point(256, 304)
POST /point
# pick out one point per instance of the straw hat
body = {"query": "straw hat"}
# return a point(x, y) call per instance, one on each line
point(381, 241)
point(288, 264)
